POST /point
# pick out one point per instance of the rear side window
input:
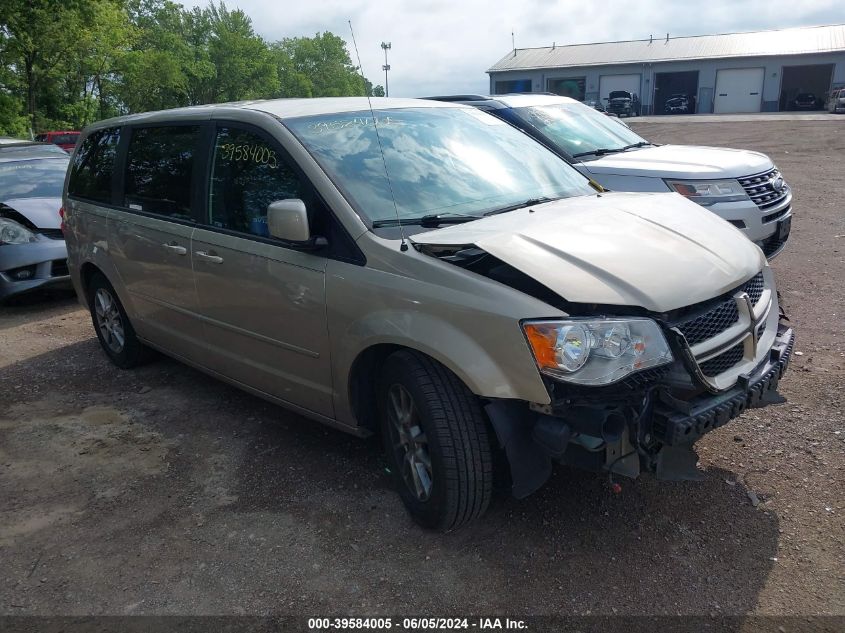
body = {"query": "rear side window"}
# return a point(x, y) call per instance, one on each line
point(93, 166)
point(248, 175)
point(159, 170)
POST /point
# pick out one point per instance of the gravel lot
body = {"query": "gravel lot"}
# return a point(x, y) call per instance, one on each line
point(161, 490)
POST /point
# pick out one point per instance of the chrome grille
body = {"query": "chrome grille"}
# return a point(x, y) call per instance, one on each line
point(723, 362)
point(760, 188)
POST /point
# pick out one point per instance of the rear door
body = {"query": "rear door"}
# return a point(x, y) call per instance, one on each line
point(150, 234)
point(263, 303)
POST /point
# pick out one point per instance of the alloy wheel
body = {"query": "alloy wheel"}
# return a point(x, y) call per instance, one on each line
point(409, 442)
point(109, 320)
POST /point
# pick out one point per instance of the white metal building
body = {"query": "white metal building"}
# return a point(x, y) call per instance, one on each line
point(734, 72)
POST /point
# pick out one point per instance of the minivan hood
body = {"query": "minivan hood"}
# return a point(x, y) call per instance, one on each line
point(682, 161)
point(42, 212)
point(656, 251)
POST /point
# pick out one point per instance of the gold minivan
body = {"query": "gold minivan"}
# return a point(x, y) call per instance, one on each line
point(424, 271)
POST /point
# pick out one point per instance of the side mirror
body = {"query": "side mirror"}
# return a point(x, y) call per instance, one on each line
point(287, 220)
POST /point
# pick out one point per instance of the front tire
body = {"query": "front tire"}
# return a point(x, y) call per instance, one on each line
point(115, 332)
point(437, 441)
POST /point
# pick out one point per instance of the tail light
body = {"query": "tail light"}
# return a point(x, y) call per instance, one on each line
point(62, 226)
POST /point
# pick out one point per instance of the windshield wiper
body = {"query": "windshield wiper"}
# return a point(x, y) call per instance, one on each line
point(520, 205)
point(428, 221)
point(611, 150)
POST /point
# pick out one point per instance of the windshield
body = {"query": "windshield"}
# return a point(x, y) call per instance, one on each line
point(440, 161)
point(575, 128)
point(39, 178)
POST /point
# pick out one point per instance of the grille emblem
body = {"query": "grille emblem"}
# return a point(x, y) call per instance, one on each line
point(777, 183)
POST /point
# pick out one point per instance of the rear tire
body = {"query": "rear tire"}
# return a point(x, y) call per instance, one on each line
point(115, 332)
point(437, 441)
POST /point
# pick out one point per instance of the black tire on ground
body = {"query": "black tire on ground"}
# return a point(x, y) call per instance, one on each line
point(457, 441)
point(131, 352)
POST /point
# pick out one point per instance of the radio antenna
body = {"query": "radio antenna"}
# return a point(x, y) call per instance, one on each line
point(403, 246)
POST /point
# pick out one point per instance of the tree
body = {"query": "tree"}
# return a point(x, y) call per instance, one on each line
point(38, 35)
point(65, 63)
point(244, 65)
point(317, 66)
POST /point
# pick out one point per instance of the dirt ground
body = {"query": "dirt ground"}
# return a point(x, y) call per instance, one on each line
point(162, 491)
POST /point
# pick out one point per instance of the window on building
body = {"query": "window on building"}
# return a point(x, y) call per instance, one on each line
point(517, 85)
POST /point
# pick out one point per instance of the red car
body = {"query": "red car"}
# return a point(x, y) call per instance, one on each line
point(66, 140)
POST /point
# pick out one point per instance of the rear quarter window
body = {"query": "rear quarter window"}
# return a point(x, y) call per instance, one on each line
point(93, 166)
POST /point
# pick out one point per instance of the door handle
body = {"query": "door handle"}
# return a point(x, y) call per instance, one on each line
point(209, 257)
point(176, 249)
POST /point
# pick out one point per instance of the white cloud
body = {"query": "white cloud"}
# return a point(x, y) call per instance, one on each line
point(445, 47)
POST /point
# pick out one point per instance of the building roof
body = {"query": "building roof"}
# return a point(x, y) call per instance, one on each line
point(814, 39)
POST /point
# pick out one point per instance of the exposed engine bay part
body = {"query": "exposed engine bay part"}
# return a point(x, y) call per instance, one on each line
point(481, 262)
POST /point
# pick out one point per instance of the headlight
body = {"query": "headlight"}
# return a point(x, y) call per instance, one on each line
point(709, 191)
point(13, 233)
point(596, 352)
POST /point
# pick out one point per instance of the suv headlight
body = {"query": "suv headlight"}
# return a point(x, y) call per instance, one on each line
point(596, 351)
point(709, 191)
point(13, 233)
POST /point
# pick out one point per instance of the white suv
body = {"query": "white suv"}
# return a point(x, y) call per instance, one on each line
point(745, 188)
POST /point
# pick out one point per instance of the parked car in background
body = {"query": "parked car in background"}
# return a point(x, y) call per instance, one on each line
point(440, 278)
point(743, 187)
point(836, 100)
point(806, 101)
point(32, 247)
point(677, 104)
point(623, 103)
point(66, 139)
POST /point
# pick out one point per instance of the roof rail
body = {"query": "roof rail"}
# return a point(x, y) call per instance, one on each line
point(458, 98)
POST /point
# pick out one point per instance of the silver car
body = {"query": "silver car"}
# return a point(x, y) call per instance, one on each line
point(423, 271)
point(32, 247)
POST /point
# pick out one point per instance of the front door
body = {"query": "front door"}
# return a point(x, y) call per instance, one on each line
point(263, 304)
point(150, 238)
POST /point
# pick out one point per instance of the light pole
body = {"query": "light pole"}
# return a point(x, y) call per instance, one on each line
point(385, 47)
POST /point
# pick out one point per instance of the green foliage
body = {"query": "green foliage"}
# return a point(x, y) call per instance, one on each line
point(66, 63)
point(317, 66)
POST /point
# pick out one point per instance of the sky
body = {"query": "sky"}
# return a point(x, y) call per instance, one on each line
point(445, 46)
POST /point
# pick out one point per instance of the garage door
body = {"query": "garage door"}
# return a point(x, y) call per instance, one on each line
point(738, 90)
point(609, 83)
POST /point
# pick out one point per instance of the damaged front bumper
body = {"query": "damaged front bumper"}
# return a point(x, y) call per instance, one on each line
point(678, 422)
point(656, 435)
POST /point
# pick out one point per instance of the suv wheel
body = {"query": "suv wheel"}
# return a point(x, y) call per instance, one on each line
point(437, 442)
point(116, 334)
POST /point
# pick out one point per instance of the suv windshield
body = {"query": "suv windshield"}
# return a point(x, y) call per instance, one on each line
point(39, 178)
point(440, 161)
point(577, 129)
point(619, 94)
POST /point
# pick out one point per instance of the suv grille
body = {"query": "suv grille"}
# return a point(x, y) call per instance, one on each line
point(720, 318)
point(723, 361)
point(760, 188)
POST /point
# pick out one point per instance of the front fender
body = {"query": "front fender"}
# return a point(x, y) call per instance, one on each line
point(474, 331)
